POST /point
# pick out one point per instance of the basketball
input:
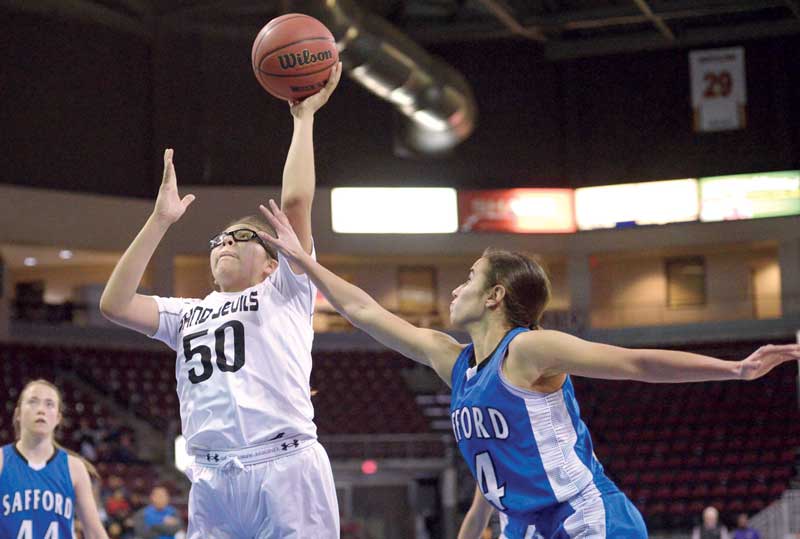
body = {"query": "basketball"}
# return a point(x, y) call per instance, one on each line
point(293, 56)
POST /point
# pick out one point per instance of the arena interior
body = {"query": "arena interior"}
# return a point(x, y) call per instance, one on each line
point(548, 126)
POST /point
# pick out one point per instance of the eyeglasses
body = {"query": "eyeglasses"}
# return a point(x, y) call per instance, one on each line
point(240, 234)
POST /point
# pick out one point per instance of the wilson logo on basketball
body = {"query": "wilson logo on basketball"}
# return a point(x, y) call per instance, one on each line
point(305, 57)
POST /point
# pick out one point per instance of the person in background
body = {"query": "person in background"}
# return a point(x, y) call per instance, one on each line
point(159, 519)
point(85, 437)
point(743, 529)
point(117, 505)
point(711, 527)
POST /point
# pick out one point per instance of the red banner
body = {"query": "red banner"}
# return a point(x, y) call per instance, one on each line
point(544, 211)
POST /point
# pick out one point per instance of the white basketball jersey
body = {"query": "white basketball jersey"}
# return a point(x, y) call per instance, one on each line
point(243, 361)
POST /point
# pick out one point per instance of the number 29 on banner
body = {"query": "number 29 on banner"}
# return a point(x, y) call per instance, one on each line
point(719, 96)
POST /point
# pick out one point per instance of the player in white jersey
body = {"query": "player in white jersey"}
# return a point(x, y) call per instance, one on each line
point(243, 362)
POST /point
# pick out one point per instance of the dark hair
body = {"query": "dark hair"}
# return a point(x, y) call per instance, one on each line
point(526, 283)
point(259, 223)
point(18, 427)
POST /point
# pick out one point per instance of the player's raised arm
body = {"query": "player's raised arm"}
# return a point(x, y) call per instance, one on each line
point(552, 352)
point(297, 192)
point(120, 303)
point(433, 348)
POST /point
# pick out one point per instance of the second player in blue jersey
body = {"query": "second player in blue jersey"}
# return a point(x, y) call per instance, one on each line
point(514, 412)
point(42, 486)
point(532, 456)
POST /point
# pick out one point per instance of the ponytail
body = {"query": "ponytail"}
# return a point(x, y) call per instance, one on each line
point(93, 473)
point(526, 284)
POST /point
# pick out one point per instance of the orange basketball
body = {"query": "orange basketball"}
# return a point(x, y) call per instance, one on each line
point(293, 56)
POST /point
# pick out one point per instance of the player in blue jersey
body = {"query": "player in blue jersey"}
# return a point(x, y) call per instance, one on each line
point(43, 486)
point(513, 408)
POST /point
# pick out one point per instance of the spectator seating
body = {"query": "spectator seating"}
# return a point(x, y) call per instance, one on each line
point(673, 448)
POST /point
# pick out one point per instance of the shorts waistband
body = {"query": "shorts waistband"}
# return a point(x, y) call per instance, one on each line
point(251, 455)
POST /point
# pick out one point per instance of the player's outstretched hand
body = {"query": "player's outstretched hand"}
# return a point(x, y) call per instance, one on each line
point(169, 205)
point(287, 241)
point(311, 104)
point(767, 358)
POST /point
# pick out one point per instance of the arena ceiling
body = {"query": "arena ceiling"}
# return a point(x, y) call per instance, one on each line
point(564, 28)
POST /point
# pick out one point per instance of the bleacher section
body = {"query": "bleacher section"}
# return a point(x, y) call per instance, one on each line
point(353, 392)
point(673, 448)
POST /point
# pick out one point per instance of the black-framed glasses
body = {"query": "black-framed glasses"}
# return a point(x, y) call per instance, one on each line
point(240, 234)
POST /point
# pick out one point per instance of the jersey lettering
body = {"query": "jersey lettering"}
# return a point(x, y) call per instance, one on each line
point(199, 314)
point(33, 499)
point(25, 530)
point(487, 480)
point(469, 422)
point(52, 531)
point(204, 351)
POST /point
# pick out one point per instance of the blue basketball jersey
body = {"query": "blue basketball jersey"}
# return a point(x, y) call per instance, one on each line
point(532, 456)
point(35, 504)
